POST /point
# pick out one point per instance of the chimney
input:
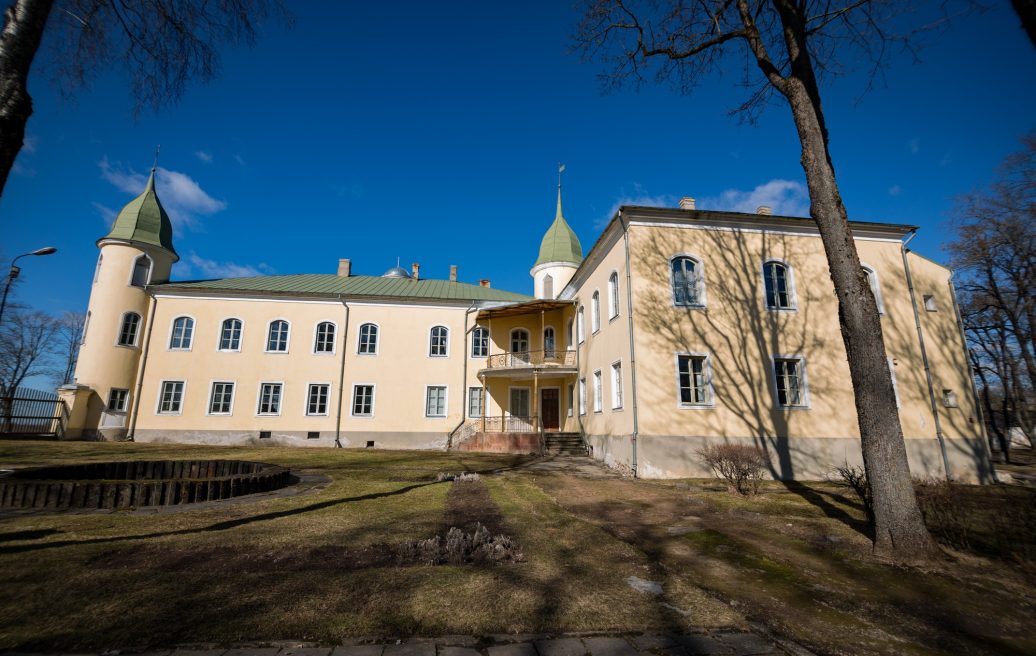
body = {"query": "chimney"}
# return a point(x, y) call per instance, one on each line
point(453, 273)
point(687, 203)
point(414, 269)
point(344, 267)
point(484, 282)
point(765, 210)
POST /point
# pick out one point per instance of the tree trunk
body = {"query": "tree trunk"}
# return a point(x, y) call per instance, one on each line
point(899, 530)
point(24, 22)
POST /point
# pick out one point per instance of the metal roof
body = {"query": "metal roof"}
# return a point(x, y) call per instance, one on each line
point(525, 307)
point(144, 220)
point(319, 284)
point(560, 244)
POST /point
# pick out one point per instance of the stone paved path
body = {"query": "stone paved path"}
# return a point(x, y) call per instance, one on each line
point(580, 466)
point(717, 643)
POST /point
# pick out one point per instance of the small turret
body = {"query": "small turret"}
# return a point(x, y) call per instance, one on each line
point(560, 255)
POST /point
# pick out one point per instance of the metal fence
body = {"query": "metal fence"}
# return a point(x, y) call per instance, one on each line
point(31, 412)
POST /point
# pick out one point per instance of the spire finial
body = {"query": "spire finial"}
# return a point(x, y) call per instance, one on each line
point(158, 149)
point(561, 169)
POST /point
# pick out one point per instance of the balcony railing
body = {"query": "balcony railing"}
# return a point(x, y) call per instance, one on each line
point(508, 424)
point(519, 359)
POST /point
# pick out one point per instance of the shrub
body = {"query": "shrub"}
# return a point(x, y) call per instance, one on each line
point(460, 548)
point(740, 465)
point(855, 478)
point(463, 477)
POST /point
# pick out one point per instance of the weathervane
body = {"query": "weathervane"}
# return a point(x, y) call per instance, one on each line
point(154, 166)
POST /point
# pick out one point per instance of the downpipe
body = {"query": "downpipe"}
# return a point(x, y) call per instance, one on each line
point(140, 373)
point(464, 382)
point(341, 374)
point(633, 352)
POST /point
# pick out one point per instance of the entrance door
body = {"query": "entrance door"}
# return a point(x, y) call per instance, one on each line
point(551, 409)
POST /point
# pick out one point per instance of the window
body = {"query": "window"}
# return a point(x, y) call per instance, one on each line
point(617, 386)
point(325, 338)
point(363, 400)
point(872, 280)
point(141, 271)
point(117, 399)
point(582, 396)
point(791, 384)
point(613, 295)
point(595, 312)
point(221, 401)
point(549, 342)
point(316, 403)
point(777, 282)
point(368, 344)
point(571, 393)
point(183, 331)
point(171, 397)
point(128, 330)
point(439, 342)
point(571, 342)
point(86, 327)
point(693, 380)
point(230, 335)
point(312, 435)
point(520, 404)
point(277, 337)
point(580, 332)
point(97, 270)
point(892, 375)
point(687, 282)
point(548, 286)
point(929, 303)
point(519, 340)
point(598, 400)
point(479, 342)
point(270, 398)
point(476, 396)
point(435, 401)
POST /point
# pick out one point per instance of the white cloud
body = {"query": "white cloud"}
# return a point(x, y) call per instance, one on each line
point(784, 197)
point(107, 213)
point(30, 143)
point(895, 190)
point(914, 146)
point(240, 160)
point(214, 269)
point(24, 171)
point(638, 197)
point(204, 156)
point(182, 197)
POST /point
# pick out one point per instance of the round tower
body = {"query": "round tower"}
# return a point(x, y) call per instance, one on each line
point(560, 256)
point(137, 252)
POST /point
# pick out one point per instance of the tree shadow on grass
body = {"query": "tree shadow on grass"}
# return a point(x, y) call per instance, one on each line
point(818, 499)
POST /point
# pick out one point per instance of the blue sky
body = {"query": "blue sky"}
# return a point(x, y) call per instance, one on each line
point(431, 132)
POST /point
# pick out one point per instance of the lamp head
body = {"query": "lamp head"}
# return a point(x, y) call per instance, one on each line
point(46, 250)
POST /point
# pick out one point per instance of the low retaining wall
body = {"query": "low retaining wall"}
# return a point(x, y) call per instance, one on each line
point(135, 483)
point(502, 443)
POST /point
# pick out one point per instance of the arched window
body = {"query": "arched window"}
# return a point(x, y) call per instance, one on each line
point(325, 338)
point(439, 342)
point(277, 337)
point(183, 332)
point(580, 330)
point(368, 344)
point(872, 280)
point(595, 312)
point(519, 340)
point(571, 334)
point(613, 295)
point(86, 327)
point(777, 280)
point(230, 335)
point(479, 342)
point(128, 329)
point(141, 271)
point(687, 282)
point(97, 271)
point(548, 286)
point(549, 342)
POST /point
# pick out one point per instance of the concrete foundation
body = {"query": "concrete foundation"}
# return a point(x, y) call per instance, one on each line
point(380, 440)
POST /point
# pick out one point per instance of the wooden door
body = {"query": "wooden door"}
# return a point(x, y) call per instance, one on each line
point(551, 408)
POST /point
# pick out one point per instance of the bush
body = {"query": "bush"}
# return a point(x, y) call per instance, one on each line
point(463, 477)
point(460, 548)
point(855, 478)
point(740, 465)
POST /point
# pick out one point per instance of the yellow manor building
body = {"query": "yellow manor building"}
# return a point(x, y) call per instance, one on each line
point(680, 328)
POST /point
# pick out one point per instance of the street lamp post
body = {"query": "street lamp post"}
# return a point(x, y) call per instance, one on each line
point(13, 273)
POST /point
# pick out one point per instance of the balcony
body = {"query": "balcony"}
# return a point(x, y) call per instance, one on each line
point(519, 362)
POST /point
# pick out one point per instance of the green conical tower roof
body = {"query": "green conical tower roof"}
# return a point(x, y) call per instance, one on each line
point(560, 244)
point(144, 220)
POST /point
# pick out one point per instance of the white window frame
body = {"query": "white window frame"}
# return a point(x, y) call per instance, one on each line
point(287, 339)
point(352, 402)
point(97, 269)
point(510, 388)
point(161, 392)
point(875, 284)
point(613, 295)
point(445, 401)
point(150, 271)
point(528, 339)
point(479, 329)
point(543, 343)
point(793, 297)
point(327, 402)
point(929, 303)
point(212, 391)
point(598, 392)
point(86, 328)
point(125, 400)
point(806, 400)
point(570, 389)
point(617, 389)
point(699, 286)
point(377, 339)
point(595, 312)
point(136, 331)
point(895, 384)
point(580, 327)
point(240, 337)
point(172, 328)
point(710, 395)
point(259, 399)
point(334, 338)
point(431, 334)
point(481, 402)
point(582, 396)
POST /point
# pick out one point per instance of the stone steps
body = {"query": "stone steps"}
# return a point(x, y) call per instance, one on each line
point(564, 444)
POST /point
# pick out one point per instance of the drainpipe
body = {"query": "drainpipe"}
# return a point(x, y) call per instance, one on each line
point(341, 374)
point(464, 382)
point(924, 356)
point(140, 371)
point(971, 379)
point(633, 352)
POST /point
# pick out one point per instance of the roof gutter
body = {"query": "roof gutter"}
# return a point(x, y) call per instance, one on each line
point(633, 352)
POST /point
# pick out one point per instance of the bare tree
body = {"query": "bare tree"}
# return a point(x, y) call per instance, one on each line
point(26, 349)
point(161, 44)
point(995, 254)
point(68, 339)
point(790, 42)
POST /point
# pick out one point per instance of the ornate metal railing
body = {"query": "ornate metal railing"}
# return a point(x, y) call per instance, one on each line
point(518, 359)
point(509, 424)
